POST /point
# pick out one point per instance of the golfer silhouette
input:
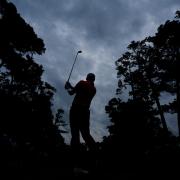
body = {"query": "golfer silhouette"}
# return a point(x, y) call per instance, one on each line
point(79, 112)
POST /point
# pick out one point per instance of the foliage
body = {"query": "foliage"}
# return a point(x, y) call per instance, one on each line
point(138, 130)
point(26, 100)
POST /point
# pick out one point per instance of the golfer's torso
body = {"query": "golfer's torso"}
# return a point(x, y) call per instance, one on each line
point(85, 92)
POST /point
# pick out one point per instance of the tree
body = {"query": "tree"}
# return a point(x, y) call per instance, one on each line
point(138, 130)
point(59, 120)
point(139, 70)
point(167, 41)
point(26, 100)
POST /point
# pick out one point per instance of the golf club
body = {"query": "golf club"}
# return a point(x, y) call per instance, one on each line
point(73, 65)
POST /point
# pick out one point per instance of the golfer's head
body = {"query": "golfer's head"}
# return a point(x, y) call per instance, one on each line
point(90, 77)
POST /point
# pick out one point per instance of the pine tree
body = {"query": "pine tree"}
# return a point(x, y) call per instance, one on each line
point(26, 100)
point(167, 41)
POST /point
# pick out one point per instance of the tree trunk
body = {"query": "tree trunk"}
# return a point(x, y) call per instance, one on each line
point(161, 113)
point(178, 104)
point(177, 52)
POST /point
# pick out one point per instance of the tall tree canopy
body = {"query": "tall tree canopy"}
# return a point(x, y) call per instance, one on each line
point(139, 131)
point(25, 99)
point(167, 41)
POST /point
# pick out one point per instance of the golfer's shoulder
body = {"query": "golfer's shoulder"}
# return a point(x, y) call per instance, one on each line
point(80, 84)
point(83, 83)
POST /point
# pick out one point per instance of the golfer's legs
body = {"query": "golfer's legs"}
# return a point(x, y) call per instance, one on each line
point(85, 131)
point(74, 125)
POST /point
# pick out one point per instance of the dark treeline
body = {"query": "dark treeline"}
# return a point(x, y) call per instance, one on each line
point(140, 143)
point(29, 134)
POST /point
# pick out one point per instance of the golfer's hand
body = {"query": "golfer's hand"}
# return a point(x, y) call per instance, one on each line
point(67, 85)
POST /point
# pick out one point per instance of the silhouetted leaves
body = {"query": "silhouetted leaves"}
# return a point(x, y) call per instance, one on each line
point(139, 139)
point(26, 123)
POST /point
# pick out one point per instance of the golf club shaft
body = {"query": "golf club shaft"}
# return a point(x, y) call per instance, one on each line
point(72, 67)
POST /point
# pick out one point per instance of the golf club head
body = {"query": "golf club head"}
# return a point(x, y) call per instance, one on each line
point(79, 51)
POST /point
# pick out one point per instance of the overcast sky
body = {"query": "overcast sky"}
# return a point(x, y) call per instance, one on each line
point(102, 29)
